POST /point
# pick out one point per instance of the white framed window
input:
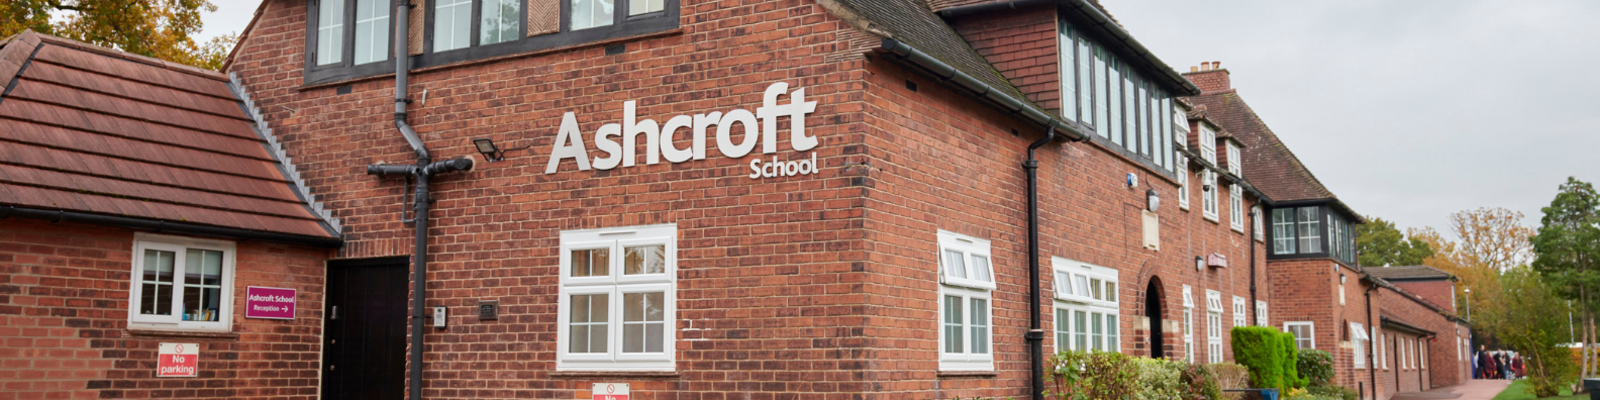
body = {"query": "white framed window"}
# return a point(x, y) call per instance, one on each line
point(1087, 313)
point(1310, 230)
point(1183, 182)
point(1188, 324)
point(1411, 353)
point(1383, 349)
point(1234, 159)
point(452, 24)
point(1261, 314)
point(1236, 207)
point(617, 309)
point(1358, 345)
point(965, 320)
point(1208, 143)
point(1304, 334)
point(1239, 312)
point(1213, 326)
point(1208, 197)
point(330, 32)
point(1422, 353)
point(1283, 239)
point(1069, 73)
point(181, 283)
point(1256, 220)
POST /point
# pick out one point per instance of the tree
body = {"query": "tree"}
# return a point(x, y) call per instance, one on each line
point(1380, 244)
point(1493, 237)
point(1568, 248)
point(154, 28)
point(1529, 320)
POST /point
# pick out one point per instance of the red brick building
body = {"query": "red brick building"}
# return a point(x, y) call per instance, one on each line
point(944, 192)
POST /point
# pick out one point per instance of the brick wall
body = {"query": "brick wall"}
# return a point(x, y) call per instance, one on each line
point(1309, 289)
point(1445, 368)
point(64, 320)
point(1439, 292)
point(1215, 80)
point(817, 287)
point(1023, 45)
point(1408, 376)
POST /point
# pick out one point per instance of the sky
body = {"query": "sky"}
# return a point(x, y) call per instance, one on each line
point(1408, 111)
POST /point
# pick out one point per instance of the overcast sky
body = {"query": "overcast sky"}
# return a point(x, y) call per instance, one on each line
point(1408, 111)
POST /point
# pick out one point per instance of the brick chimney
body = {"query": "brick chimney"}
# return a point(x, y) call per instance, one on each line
point(1209, 76)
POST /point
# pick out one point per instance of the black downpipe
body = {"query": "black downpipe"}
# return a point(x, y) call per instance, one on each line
point(1035, 335)
point(1372, 360)
point(1254, 213)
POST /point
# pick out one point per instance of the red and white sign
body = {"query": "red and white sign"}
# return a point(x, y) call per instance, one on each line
point(176, 360)
point(266, 302)
point(610, 391)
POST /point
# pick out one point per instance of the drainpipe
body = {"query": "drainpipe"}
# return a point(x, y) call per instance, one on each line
point(1251, 238)
point(421, 171)
point(1035, 335)
point(1372, 360)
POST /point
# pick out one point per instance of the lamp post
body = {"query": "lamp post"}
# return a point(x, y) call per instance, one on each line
point(1469, 303)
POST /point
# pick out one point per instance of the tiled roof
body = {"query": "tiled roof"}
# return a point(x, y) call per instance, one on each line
point(91, 130)
point(1267, 162)
point(912, 22)
point(1407, 272)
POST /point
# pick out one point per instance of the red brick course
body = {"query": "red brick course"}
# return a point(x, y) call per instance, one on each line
point(64, 313)
point(1440, 292)
point(1022, 45)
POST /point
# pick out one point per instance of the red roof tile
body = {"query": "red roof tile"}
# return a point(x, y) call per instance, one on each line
point(95, 131)
point(1268, 163)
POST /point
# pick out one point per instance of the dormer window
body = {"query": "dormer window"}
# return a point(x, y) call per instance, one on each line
point(1208, 143)
point(1114, 99)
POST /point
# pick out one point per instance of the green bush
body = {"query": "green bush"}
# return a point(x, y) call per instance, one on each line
point(1158, 379)
point(1290, 359)
point(1333, 392)
point(1200, 383)
point(1315, 367)
point(1259, 349)
point(1102, 375)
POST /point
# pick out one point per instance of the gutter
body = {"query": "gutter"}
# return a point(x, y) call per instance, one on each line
point(158, 226)
point(1096, 19)
point(1012, 105)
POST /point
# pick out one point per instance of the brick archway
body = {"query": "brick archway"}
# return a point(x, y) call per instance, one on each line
point(1154, 314)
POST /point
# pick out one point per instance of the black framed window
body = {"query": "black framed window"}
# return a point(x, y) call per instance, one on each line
point(347, 39)
point(1112, 98)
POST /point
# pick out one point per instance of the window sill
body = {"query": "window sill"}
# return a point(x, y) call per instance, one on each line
point(968, 374)
point(177, 333)
point(616, 374)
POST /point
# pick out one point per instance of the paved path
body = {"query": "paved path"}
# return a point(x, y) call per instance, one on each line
point(1476, 389)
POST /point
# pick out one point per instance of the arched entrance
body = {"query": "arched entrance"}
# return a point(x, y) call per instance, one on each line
point(1152, 312)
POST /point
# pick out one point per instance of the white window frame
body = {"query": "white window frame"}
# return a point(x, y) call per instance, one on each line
point(1383, 349)
point(1240, 313)
point(968, 287)
point(1208, 199)
point(1311, 332)
point(1183, 182)
point(1208, 143)
point(1213, 326)
point(1097, 305)
point(1309, 243)
point(180, 246)
point(1358, 345)
point(1236, 207)
point(1234, 158)
point(1422, 353)
point(1188, 324)
point(1261, 314)
point(617, 284)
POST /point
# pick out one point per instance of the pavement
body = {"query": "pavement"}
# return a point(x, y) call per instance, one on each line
point(1476, 389)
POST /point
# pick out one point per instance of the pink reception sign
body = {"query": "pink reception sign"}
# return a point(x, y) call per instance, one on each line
point(265, 302)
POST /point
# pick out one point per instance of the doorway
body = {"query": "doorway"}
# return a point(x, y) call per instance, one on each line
point(364, 329)
point(1152, 312)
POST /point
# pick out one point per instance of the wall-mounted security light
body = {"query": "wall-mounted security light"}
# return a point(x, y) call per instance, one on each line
point(1199, 263)
point(1152, 200)
point(492, 153)
point(1341, 279)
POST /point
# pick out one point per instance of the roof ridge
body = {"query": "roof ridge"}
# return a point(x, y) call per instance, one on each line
point(147, 60)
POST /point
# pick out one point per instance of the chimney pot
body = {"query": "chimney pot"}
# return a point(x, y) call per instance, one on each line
point(1194, 68)
point(1216, 64)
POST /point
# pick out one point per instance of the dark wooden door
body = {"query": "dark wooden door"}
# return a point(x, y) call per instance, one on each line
point(364, 332)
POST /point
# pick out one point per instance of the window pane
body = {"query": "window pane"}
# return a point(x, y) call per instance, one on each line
point(452, 24)
point(1069, 76)
point(500, 21)
point(330, 32)
point(1100, 101)
point(640, 313)
point(1083, 284)
point(591, 262)
point(591, 13)
point(202, 281)
point(372, 31)
point(1111, 332)
point(589, 322)
point(952, 324)
point(1114, 99)
point(1085, 81)
point(1063, 330)
point(954, 264)
point(1094, 290)
point(1111, 291)
point(1064, 283)
point(980, 326)
point(1096, 329)
point(155, 296)
point(1283, 240)
point(638, 260)
point(980, 268)
point(637, 7)
point(1310, 230)
point(1080, 323)
point(1165, 116)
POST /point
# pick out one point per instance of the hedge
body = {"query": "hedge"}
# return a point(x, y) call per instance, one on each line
point(1270, 356)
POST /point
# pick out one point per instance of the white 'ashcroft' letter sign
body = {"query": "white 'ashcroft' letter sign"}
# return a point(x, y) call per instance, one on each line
point(760, 127)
